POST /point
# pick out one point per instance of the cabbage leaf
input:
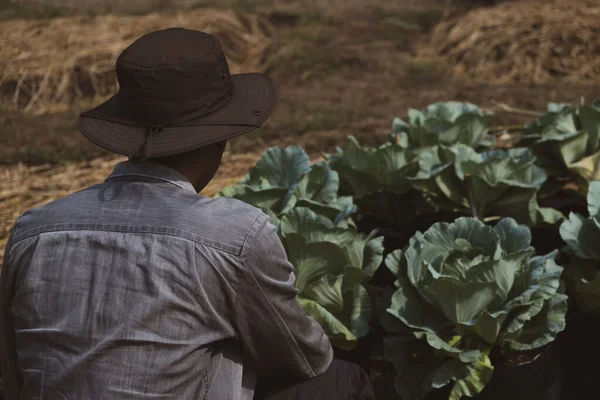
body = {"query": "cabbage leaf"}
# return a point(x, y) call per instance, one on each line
point(332, 265)
point(445, 123)
point(566, 141)
point(284, 178)
point(582, 236)
point(494, 183)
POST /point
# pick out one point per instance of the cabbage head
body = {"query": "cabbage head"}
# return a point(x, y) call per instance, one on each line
point(582, 236)
point(444, 123)
point(566, 141)
point(496, 183)
point(367, 170)
point(332, 265)
point(462, 289)
point(284, 178)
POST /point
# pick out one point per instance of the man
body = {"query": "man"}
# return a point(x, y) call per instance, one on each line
point(138, 288)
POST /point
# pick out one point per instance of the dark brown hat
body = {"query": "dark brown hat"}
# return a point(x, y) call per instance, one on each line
point(176, 94)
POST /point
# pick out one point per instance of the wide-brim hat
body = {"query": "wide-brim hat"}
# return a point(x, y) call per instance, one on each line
point(175, 95)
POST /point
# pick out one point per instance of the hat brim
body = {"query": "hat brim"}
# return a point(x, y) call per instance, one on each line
point(253, 100)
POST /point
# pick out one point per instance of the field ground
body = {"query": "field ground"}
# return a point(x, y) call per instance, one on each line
point(342, 68)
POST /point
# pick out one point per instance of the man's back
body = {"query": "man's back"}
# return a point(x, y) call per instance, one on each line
point(138, 288)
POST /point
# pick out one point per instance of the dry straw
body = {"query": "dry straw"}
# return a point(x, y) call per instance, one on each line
point(528, 41)
point(48, 65)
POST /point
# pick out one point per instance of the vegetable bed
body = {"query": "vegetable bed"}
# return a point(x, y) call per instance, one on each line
point(446, 266)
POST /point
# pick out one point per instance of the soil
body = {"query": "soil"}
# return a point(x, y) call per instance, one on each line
point(514, 358)
point(579, 351)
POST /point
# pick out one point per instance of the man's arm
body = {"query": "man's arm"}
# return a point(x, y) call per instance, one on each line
point(12, 380)
point(274, 330)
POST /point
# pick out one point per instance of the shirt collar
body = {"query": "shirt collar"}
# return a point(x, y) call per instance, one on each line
point(153, 170)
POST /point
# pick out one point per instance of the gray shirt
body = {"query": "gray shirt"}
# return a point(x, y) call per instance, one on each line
point(139, 288)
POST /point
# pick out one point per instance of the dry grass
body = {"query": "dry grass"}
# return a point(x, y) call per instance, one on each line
point(528, 41)
point(48, 65)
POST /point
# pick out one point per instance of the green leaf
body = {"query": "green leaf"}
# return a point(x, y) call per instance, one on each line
point(393, 261)
point(363, 171)
point(582, 236)
point(279, 167)
point(320, 185)
point(480, 374)
point(337, 212)
point(262, 198)
point(444, 342)
point(513, 237)
point(587, 167)
point(415, 362)
point(520, 314)
point(327, 292)
point(567, 142)
point(339, 335)
point(495, 183)
point(446, 123)
point(302, 219)
point(414, 312)
point(450, 370)
point(373, 255)
point(441, 240)
point(593, 199)
point(501, 273)
point(461, 302)
point(357, 311)
point(543, 327)
point(489, 326)
point(590, 122)
point(313, 260)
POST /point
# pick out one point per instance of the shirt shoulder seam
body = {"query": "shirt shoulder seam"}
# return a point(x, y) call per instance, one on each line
point(248, 233)
point(35, 232)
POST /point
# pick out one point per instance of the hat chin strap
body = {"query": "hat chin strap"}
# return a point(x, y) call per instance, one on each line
point(145, 151)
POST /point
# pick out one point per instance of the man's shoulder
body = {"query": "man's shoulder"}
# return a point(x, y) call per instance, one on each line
point(233, 213)
point(226, 220)
point(223, 222)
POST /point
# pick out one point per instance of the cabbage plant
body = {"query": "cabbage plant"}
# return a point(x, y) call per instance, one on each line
point(444, 123)
point(496, 183)
point(463, 289)
point(566, 141)
point(284, 178)
point(582, 236)
point(332, 265)
point(367, 170)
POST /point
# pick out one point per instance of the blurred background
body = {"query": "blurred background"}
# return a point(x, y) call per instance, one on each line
point(342, 67)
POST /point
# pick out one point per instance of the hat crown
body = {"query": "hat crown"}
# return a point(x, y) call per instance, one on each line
point(172, 47)
point(169, 74)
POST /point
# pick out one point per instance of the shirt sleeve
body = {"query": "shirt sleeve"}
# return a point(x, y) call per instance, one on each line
point(274, 329)
point(12, 380)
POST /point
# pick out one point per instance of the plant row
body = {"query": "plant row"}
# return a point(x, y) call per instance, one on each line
point(452, 219)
